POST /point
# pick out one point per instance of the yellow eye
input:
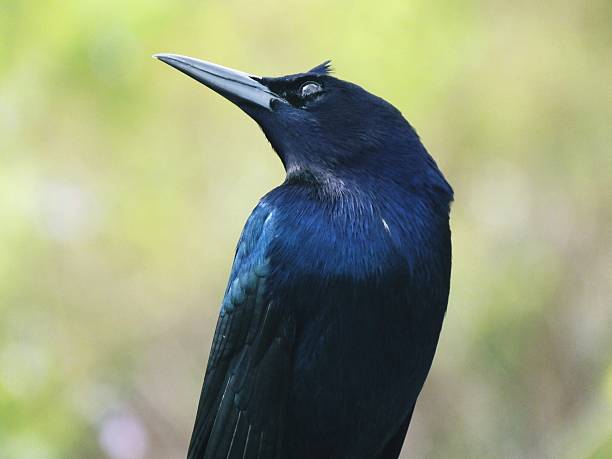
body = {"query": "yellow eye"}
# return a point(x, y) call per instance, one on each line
point(309, 88)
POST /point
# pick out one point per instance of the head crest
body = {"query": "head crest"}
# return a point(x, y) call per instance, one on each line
point(322, 69)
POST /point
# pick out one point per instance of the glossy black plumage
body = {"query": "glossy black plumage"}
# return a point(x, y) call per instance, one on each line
point(340, 280)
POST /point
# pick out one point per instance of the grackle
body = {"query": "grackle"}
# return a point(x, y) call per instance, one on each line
point(340, 280)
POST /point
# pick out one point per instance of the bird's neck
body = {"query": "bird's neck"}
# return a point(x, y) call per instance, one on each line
point(315, 178)
point(336, 189)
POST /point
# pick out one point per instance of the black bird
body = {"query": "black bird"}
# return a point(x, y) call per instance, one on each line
point(340, 280)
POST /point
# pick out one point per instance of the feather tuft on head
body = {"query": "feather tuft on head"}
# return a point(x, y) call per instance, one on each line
point(322, 69)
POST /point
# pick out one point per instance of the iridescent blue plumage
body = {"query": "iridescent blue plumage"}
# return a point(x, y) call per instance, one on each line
point(340, 281)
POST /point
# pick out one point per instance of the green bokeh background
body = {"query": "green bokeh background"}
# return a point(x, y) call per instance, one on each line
point(124, 186)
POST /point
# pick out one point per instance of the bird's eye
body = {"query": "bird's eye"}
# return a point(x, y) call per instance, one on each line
point(309, 88)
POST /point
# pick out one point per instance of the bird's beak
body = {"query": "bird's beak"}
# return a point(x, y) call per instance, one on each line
point(236, 86)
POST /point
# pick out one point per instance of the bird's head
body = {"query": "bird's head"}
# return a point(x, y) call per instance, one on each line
point(319, 124)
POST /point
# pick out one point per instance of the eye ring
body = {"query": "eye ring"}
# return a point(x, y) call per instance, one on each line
point(309, 88)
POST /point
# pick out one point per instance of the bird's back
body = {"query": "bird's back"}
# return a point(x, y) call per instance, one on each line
point(368, 306)
point(356, 307)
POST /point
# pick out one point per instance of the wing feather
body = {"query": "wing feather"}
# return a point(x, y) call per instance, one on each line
point(243, 398)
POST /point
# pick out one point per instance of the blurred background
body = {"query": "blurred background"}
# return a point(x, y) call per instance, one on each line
point(124, 186)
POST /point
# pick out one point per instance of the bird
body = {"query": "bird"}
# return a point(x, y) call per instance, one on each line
point(340, 279)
